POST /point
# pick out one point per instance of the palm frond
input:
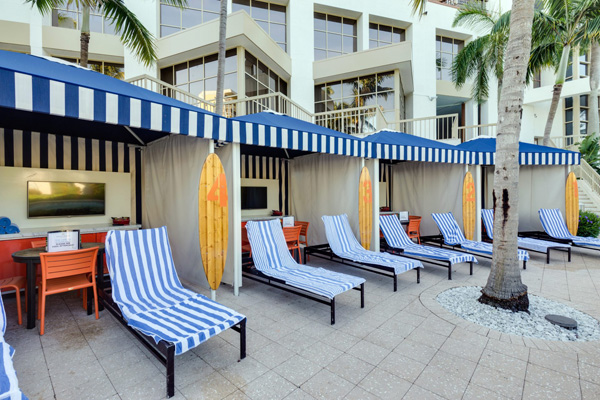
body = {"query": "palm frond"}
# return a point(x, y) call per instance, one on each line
point(176, 3)
point(418, 6)
point(543, 56)
point(466, 61)
point(480, 91)
point(134, 34)
point(46, 6)
point(474, 15)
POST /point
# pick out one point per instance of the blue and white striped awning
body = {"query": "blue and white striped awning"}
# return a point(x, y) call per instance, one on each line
point(484, 150)
point(392, 145)
point(277, 130)
point(95, 103)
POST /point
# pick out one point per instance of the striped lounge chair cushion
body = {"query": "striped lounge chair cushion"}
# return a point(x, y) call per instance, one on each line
point(271, 257)
point(396, 237)
point(9, 384)
point(526, 243)
point(453, 236)
point(555, 226)
point(344, 244)
point(151, 298)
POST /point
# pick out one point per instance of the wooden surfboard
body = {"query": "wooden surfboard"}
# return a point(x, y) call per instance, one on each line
point(213, 219)
point(468, 206)
point(572, 203)
point(365, 208)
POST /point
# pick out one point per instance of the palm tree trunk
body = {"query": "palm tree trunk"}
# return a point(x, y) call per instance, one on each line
point(594, 123)
point(556, 91)
point(221, 62)
point(504, 287)
point(85, 36)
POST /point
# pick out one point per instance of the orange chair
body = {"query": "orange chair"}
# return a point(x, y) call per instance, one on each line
point(414, 230)
point(245, 242)
point(292, 237)
point(303, 232)
point(15, 283)
point(38, 243)
point(64, 271)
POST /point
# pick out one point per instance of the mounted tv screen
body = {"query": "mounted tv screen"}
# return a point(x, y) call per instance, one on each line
point(254, 197)
point(65, 199)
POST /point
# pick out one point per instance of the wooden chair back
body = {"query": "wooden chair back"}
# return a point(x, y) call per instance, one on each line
point(69, 263)
point(38, 243)
point(303, 231)
point(292, 237)
point(414, 228)
point(245, 242)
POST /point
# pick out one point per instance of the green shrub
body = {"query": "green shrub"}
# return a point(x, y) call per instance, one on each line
point(589, 224)
point(590, 151)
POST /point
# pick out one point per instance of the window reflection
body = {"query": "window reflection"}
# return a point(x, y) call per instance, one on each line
point(174, 19)
point(68, 15)
point(447, 49)
point(383, 35)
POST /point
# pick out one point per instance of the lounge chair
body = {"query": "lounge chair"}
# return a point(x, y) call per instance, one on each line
point(398, 241)
point(530, 244)
point(148, 298)
point(9, 384)
point(453, 237)
point(275, 266)
point(556, 228)
point(345, 249)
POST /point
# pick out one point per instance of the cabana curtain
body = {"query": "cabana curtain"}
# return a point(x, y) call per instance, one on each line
point(325, 185)
point(422, 189)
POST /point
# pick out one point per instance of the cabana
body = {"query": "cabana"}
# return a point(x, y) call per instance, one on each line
point(423, 176)
point(542, 176)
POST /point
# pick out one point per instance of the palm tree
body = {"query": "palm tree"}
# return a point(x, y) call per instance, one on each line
point(562, 26)
point(593, 119)
point(134, 34)
point(484, 56)
point(221, 59)
point(504, 287)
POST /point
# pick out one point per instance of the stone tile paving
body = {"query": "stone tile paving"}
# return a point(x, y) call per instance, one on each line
point(401, 345)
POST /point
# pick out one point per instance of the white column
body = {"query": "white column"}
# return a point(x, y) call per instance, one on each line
point(36, 23)
point(300, 26)
point(373, 165)
point(362, 27)
point(148, 13)
point(235, 216)
point(421, 103)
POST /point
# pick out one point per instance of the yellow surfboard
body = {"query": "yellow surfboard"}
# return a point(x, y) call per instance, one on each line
point(468, 206)
point(365, 208)
point(213, 219)
point(572, 203)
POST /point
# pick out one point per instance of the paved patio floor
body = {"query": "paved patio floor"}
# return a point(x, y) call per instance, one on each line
point(401, 345)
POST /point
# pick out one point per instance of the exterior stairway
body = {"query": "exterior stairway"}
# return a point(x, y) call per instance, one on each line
point(588, 199)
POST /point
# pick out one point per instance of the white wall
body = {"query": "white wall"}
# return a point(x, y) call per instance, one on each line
point(272, 186)
point(13, 201)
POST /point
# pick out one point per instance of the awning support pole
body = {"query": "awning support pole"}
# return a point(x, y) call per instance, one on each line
point(134, 135)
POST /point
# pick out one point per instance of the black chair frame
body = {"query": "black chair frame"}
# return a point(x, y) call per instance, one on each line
point(324, 251)
point(441, 263)
point(250, 272)
point(163, 351)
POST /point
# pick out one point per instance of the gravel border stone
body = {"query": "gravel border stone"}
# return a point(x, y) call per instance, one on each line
point(462, 301)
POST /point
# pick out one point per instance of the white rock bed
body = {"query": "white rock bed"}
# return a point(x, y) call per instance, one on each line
point(462, 301)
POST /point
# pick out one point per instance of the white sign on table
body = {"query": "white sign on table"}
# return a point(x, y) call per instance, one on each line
point(403, 216)
point(287, 222)
point(63, 241)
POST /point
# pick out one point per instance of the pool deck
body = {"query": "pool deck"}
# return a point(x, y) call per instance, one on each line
point(401, 345)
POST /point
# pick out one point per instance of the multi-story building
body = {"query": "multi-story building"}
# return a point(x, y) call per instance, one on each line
point(351, 65)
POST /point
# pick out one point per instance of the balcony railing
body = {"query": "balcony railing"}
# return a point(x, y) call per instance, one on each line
point(158, 86)
point(568, 142)
point(277, 102)
point(470, 132)
point(353, 121)
point(439, 127)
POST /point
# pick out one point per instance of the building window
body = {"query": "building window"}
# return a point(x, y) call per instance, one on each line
point(106, 68)
point(334, 36)
point(382, 35)
point(568, 116)
point(447, 49)
point(370, 90)
point(537, 79)
point(584, 65)
point(271, 17)
point(584, 109)
point(174, 19)
point(68, 15)
point(199, 76)
point(261, 80)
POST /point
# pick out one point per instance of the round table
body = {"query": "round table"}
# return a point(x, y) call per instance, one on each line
point(31, 257)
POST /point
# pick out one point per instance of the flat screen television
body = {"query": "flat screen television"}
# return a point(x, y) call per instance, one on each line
point(254, 197)
point(65, 199)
